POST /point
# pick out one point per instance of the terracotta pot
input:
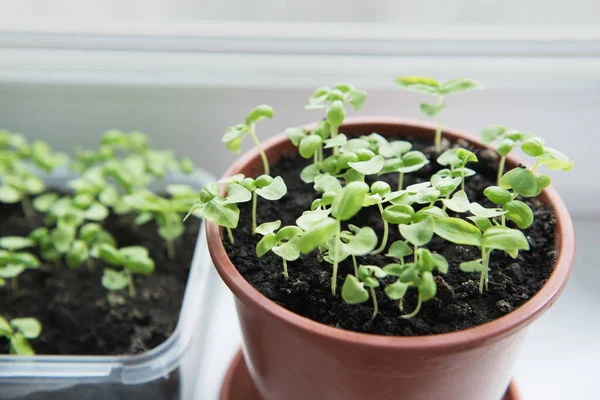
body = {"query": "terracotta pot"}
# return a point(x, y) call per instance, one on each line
point(293, 358)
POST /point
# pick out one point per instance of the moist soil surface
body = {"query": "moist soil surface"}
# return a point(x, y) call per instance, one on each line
point(72, 304)
point(458, 304)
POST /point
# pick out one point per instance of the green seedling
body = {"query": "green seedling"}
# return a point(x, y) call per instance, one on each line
point(401, 160)
point(422, 84)
point(376, 196)
point(456, 160)
point(235, 134)
point(418, 274)
point(507, 139)
point(333, 101)
point(218, 210)
point(133, 260)
point(347, 203)
point(167, 213)
point(14, 261)
point(310, 144)
point(353, 242)
point(20, 188)
point(353, 290)
point(241, 189)
point(18, 332)
point(282, 243)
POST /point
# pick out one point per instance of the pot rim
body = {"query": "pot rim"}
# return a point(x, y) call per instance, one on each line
point(489, 332)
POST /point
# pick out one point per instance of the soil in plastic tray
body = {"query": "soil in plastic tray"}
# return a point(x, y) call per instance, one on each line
point(72, 303)
point(458, 304)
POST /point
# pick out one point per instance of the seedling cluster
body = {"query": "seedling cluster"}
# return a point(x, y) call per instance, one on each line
point(115, 179)
point(352, 173)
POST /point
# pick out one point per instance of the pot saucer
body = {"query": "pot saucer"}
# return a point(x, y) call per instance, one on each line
point(238, 384)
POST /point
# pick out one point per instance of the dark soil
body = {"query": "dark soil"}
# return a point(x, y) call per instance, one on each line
point(458, 304)
point(72, 304)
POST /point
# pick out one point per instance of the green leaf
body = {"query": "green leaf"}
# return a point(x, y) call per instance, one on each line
point(310, 172)
point(399, 250)
point(356, 98)
point(419, 84)
point(519, 213)
point(336, 113)
point(30, 328)
point(15, 243)
point(134, 252)
point(43, 202)
point(440, 263)
point(318, 234)
point(413, 161)
point(337, 141)
point(398, 214)
point(458, 231)
point(20, 346)
point(9, 195)
point(170, 226)
point(449, 158)
point(288, 232)
point(77, 254)
point(504, 238)
point(369, 167)
point(274, 190)
point(460, 85)
point(393, 149)
point(114, 280)
point(5, 329)
point(309, 145)
point(459, 202)
point(431, 211)
point(266, 243)
point(396, 290)
point(288, 251)
point(26, 259)
point(259, 112)
point(555, 160)
point(62, 236)
point(497, 195)
point(480, 211)
point(349, 200)
point(34, 184)
point(139, 265)
point(473, 266)
point(96, 212)
point(236, 193)
point(445, 184)
point(354, 145)
point(109, 196)
point(533, 147)
point(353, 291)
point(522, 181)
point(221, 213)
point(505, 146)
point(418, 234)
point(295, 135)
point(10, 271)
point(109, 254)
point(268, 227)
point(233, 137)
point(432, 110)
point(361, 242)
point(466, 156)
point(327, 183)
point(491, 133)
point(481, 222)
point(310, 218)
point(427, 286)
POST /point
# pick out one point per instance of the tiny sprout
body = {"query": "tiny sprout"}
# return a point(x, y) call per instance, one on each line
point(240, 189)
point(353, 242)
point(417, 274)
point(377, 195)
point(333, 101)
point(18, 332)
point(401, 160)
point(353, 290)
point(133, 259)
point(506, 138)
point(19, 188)
point(457, 159)
point(427, 85)
point(282, 243)
point(235, 134)
point(218, 210)
point(14, 262)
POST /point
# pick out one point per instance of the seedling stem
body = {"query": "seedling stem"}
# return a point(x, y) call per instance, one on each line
point(336, 256)
point(384, 239)
point(260, 150)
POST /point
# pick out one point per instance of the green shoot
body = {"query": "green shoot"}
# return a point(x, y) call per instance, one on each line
point(133, 260)
point(456, 159)
point(18, 332)
point(401, 161)
point(353, 290)
point(422, 84)
point(507, 139)
point(282, 243)
point(235, 134)
point(13, 261)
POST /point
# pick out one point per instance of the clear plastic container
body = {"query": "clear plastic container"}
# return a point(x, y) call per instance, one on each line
point(165, 372)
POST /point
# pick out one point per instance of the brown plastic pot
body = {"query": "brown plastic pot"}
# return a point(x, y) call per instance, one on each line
point(294, 358)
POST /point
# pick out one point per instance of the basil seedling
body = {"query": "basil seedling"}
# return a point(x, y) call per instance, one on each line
point(282, 243)
point(133, 260)
point(422, 84)
point(235, 134)
point(18, 332)
point(353, 290)
point(506, 139)
point(13, 261)
point(457, 159)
